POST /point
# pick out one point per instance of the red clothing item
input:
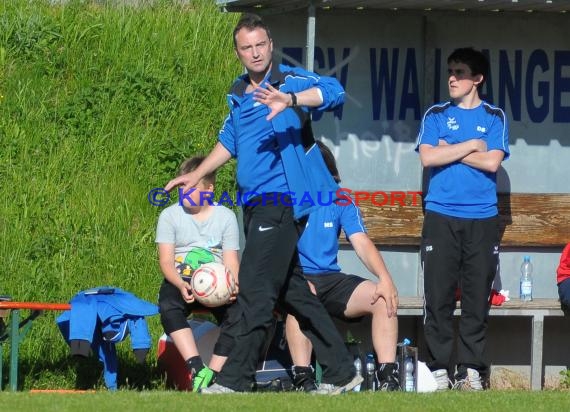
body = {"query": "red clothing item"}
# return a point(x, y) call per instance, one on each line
point(563, 271)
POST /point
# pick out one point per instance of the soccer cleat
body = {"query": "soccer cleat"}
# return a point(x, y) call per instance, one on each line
point(470, 382)
point(330, 389)
point(216, 389)
point(441, 379)
point(202, 379)
point(304, 379)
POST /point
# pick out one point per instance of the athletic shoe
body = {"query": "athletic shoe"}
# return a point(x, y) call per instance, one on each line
point(441, 379)
point(388, 377)
point(390, 384)
point(216, 389)
point(470, 382)
point(203, 378)
point(330, 389)
point(304, 379)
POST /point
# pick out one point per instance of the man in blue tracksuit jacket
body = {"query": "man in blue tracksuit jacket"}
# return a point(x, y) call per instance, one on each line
point(101, 317)
point(268, 132)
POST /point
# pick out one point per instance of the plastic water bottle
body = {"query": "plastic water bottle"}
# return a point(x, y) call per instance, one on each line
point(407, 365)
point(526, 279)
point(358, 367)
point(370, 372)
point(409, 372)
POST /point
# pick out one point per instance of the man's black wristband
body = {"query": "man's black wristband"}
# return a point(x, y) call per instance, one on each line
point(293, 99)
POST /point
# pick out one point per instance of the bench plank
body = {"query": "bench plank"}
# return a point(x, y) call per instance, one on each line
point(527, 220)
point(34, 305)
point(535, 219)
point(546, 304)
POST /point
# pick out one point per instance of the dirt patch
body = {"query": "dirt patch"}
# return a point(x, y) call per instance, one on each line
point(506, 379)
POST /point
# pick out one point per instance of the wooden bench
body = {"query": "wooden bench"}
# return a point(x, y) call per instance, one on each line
point(537, 310)
point(17, 330)
point(527, 220)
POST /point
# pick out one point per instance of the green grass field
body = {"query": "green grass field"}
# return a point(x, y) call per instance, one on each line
point(98, 105)
point(123, 401)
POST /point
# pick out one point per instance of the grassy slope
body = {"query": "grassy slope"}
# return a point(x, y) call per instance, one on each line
point(99, 105)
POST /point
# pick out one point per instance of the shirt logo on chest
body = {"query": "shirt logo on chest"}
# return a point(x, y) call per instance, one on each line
point(452, 123)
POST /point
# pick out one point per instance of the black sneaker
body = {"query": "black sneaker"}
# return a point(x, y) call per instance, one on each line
point(388, 377)
point(304, 379)
point(390, 384)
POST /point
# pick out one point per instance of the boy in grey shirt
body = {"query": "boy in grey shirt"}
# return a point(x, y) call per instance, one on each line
point(189, 235)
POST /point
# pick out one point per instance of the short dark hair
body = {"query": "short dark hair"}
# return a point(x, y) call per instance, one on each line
point(329, 159)
point(250, 22)
point(474, 59)
point(191, 164)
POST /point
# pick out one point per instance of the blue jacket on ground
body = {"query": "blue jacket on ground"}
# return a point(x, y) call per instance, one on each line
point(104, 316)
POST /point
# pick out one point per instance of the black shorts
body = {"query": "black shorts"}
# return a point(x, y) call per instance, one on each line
point(174, 311)
point(334, 289)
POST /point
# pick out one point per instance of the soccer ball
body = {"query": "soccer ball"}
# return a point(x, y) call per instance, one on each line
point(212, 284)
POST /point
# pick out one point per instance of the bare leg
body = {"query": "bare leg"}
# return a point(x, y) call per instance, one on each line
point(217, 362)
point(299, 345)
point(384, 329)
point(184, 341)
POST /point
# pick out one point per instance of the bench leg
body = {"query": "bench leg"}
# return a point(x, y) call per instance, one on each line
point(536, 353)
point(14, 348)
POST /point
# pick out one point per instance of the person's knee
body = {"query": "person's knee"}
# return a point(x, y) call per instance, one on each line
point(173, 320)
point(379, 308)
point(359, 303)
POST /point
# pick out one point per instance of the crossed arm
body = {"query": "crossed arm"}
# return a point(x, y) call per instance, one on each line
point(472, 152)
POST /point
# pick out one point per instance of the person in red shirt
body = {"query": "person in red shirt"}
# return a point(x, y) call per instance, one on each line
point(563, 278)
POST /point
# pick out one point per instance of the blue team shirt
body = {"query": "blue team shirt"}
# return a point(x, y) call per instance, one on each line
point(318, 245)
point(457, 189)
point(279, 155)
point(260, 168)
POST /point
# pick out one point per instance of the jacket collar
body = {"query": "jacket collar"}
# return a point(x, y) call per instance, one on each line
point(275, 78)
